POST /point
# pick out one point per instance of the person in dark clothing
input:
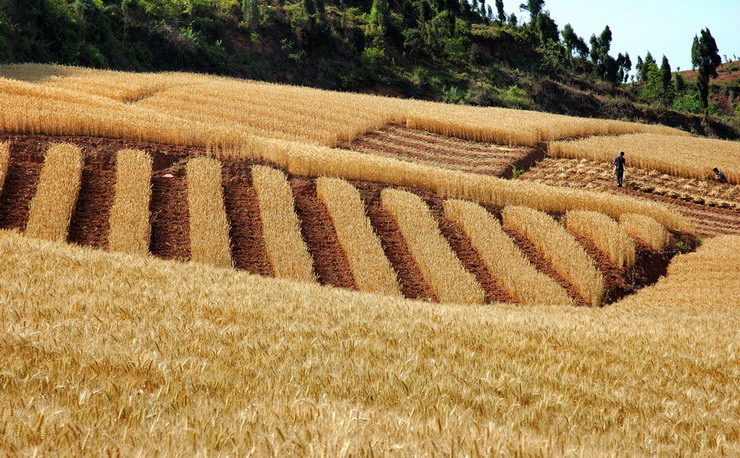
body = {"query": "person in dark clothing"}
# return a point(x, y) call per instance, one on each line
point(619, 168)
point(721, 178)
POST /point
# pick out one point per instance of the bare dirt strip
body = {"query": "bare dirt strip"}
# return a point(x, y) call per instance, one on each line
point(329, 260)
point(243, 212)
point(170, 237)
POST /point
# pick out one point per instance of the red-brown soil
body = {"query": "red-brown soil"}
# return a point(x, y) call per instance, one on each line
point(615, 286)
point(90, 220)
point(170, 218)
point(243, 212)
point(329, 260)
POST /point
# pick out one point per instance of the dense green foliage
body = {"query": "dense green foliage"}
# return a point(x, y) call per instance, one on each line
point(459, 51)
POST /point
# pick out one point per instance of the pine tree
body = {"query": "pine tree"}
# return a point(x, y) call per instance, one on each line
point(380, 15)
point(534, 7)
point(500, 10)
point(705, 58)
point(665, 75)
point(251, 12)
point(627, 66)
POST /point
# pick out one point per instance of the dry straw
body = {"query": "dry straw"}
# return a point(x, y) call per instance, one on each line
point(441, 268)
point(683, 156)
point(209, 227)
point(284, 243)
point(560, 249)
point(519, 278)
point(371, 269)
point(130, 228)
point(56, 194)
point(606, 234)
point(646, 229)
point(4, 162)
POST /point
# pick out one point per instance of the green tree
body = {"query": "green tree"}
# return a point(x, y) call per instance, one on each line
point(547, 29)
point(534, 7)
point(680, 84)
point(647, 63)
point(380, 15)
point(665, 79)
point(705, 58)
point(500, 10)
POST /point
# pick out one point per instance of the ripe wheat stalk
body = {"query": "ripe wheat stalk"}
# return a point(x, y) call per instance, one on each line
point(284, 242)
point(519, 278)
point(560, 248)
point(130, 228)
point(209, 227)
point(441, 268)
point(371, 269)
point(56, 194)
point(606, 234)
point(646, 229)
point(4, 162)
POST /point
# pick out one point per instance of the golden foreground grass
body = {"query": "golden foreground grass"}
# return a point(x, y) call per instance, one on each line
point(56, 194)
point(439, 265)
point(209, 228)
point(560, 248)
point(371, 269)
point(129, 215)
point(110, 353)
point(683, 156)
point(281, 227)
point(519, 278)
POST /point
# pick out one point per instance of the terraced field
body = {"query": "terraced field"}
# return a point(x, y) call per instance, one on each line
point(713, 207)
point(263, 220)
point(418, 146)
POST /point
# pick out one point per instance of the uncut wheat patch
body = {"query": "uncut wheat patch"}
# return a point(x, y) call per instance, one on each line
point(371, 269)
point(606, 234)
point(684, 156)
point(4, 162)
point(56, 193)
point(209, 228)
point(519, 278)
point(441, 268)
point(560, 249)
point(646, 229)
point(130, 228)
point(281, 227)
point(708, 279)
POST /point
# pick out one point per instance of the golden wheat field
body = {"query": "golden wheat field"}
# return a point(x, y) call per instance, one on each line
point(197, 265)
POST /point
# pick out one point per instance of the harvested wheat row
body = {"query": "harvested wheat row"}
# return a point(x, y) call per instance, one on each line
point(441, 268)
point(56, 194)
point(130, 228)
point(209, 228)
point(371, 269)
point(4, 162)
point(284, 243)
point(606, 234)
point(644, 228)
point(560, 249)
point(519, 278)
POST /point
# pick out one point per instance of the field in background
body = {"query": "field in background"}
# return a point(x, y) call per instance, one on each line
point(713, 207)
point(229, 363)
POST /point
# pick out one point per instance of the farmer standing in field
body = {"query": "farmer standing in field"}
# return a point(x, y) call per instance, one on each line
point(619, 168)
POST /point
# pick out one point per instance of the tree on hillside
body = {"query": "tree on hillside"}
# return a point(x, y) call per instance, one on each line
point(705, 58)
point(534, 7)
point(547, 29)
point(573, 42)
point(251, 12)
point(380, 15)
point(665, 79)
point(626, 67)
point(500, 10)
point(648, 62)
